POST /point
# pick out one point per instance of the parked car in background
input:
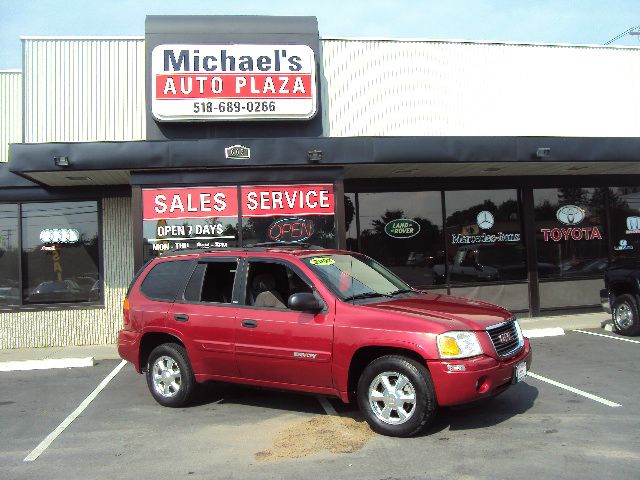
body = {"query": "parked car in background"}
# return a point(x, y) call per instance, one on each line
point(322, 321)
point(621, 295)
point(56, 291)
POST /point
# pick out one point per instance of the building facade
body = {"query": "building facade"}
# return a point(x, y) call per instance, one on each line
point(505, 172)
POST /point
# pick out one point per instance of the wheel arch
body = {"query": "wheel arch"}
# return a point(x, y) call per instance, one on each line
point(364, 355)
point(151, 340)
point(620, 288)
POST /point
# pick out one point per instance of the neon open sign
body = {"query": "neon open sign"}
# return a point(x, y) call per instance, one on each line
point(291, 229)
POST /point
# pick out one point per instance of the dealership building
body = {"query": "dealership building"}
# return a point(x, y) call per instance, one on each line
point(499, 171)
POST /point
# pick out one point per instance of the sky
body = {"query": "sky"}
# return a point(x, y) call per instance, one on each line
point(547, 21)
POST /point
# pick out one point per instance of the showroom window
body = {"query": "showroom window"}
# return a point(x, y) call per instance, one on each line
point(570, 232)
point(60, 252)
point(288, 214)
point(403, 231)
point(624, 208)
point(484, 237)
point(9, 255)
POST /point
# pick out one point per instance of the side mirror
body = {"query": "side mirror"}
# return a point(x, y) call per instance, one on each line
point(304, 302)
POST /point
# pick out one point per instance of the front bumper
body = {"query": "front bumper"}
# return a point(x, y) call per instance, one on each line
point(605, 300)
point(483, 377)
point(129, 347)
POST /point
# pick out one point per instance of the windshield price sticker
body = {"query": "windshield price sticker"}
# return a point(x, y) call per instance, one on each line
point(324, 261)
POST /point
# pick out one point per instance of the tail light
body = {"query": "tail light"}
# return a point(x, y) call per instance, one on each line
point(126, 308)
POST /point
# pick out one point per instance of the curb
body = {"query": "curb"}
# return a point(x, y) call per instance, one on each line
point(46, 364)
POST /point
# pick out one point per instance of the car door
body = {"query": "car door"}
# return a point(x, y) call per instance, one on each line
point(275, 344)
point(206, 316)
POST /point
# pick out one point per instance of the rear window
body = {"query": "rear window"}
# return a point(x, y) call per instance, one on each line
point(165, 279)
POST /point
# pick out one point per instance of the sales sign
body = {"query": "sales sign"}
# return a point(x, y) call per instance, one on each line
point(233, 82)
point(199, 202)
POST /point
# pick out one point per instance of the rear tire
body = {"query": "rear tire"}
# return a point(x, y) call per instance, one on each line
point(396, 396)
point(626, 318)
point(170, 376)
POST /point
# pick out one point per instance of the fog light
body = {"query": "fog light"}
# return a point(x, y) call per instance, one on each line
point(483, 384)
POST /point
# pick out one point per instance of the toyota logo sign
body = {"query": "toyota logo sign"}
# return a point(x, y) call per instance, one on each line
point(570, 214)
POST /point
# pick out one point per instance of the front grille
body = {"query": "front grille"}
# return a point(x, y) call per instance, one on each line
point(506, 337)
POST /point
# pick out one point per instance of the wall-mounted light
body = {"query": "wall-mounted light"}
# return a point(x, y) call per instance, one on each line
point(314, 156)
point(543, 152)
point(62, 161)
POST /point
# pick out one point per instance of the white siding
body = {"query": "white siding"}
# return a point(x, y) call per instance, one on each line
point(84, 90)
point(396, 88)
point(10, 111)
point(82, 326)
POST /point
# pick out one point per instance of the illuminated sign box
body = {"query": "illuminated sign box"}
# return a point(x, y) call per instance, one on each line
point(233, 82)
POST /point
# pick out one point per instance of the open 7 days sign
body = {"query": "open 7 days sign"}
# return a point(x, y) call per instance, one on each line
point(233, 82)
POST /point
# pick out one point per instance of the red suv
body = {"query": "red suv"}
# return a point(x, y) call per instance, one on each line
point(323, 321)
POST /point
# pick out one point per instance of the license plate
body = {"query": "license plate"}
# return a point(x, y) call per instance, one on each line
point(520, 371)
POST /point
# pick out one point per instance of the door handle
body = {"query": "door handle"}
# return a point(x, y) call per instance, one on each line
point(248, 323)
point(181, 317)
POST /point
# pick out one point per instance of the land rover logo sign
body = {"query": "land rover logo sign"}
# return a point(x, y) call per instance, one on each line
point(402, 228)
point(237, 152)
point(570, 214)
point(233, 82)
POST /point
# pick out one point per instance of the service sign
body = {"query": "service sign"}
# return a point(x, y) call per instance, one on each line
point(233, 82)
point(281, 200)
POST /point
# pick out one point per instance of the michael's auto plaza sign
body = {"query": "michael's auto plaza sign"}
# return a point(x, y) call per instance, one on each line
point(233, 82)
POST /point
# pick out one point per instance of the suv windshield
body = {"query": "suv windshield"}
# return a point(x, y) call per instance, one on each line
point(351, 277)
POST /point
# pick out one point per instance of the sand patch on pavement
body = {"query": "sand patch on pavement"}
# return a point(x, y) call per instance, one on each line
point(301, 439)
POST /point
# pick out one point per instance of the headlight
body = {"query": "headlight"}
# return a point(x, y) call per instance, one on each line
point(458, 345)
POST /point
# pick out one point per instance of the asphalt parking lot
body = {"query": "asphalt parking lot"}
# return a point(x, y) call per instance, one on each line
point(534, 430)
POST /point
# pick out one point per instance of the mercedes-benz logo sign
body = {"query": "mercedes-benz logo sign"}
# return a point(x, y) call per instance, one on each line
point(485, 220)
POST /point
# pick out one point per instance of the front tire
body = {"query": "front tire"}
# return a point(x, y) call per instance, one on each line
point(396, 396)
point(169, 375)
point(626, 318)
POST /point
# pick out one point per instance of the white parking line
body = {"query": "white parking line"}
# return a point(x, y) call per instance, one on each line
point(595, 398)
point(608, 336)
point(44, 444)
point(543, 332)
point(328, 408)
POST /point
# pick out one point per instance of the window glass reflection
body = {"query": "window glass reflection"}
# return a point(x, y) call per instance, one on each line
point(60, 252)
point(624, 204)
point(570, 233)
point(9, 255)
point(484, 238)
point(403, 231)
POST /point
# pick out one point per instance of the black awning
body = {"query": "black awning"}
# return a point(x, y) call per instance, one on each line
point(27, 159)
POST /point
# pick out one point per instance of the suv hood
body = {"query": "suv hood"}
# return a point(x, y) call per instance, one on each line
point(454, 313)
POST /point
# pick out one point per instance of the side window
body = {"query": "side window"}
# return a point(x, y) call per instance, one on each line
point(269, 285)
point(211, 282)
point(165, 279)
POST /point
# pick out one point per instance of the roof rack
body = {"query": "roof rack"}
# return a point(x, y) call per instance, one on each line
point(306, 246)
point(250, 247)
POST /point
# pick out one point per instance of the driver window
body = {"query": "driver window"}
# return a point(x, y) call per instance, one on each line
point(269, 285)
